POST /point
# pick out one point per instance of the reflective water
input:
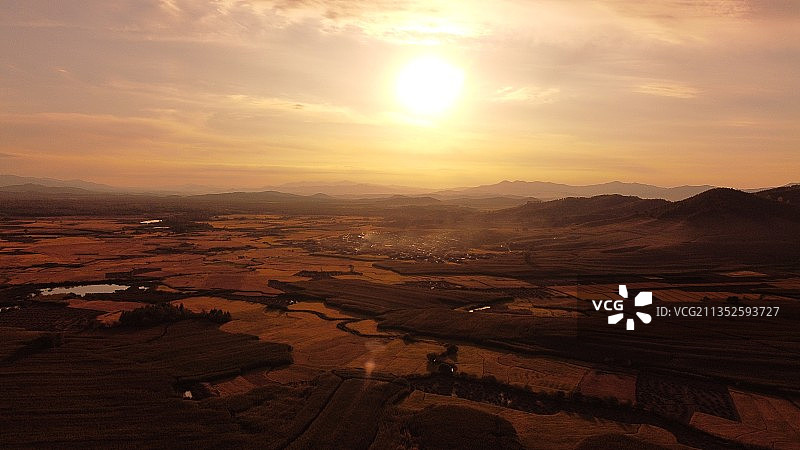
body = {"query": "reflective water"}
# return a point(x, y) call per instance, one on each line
point(85, 289)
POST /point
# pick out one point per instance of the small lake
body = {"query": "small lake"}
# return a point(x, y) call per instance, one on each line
point(148, 222)
point(85, 289)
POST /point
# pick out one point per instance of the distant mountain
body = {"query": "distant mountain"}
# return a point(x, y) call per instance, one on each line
point(405, 200)
point(547, 191)
point(488, 197)
point(188, 189)
point(255, 197)
point(14, 180)
point(38, 189)
point(347, 189)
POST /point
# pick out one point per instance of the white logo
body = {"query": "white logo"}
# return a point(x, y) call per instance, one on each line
point(641, 299)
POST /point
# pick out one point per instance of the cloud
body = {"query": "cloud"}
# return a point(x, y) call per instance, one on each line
point(292, 106)
point(430, 22)
point(526, 94)
point(682, 9)
point(310, 82)
point(667, 89)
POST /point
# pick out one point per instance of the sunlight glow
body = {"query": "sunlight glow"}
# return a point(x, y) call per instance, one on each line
point(429, 86)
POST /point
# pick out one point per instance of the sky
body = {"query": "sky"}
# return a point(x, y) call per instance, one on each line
point(159, 93)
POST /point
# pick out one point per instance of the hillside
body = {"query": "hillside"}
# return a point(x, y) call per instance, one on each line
point(580, 210)
point(787, 194)
point(721, 205)
point(720, 225)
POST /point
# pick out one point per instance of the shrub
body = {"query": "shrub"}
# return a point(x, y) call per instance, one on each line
point(186, 223)
point(451, 349)
point(167, 313)
point(218, 316)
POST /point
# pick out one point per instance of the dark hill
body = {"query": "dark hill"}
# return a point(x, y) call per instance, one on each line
point(727, 223)
point(490, 203)
point(786, 194)
point(579, 210)
point(721, 205)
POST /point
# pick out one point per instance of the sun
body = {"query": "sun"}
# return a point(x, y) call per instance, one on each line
point(429, 86)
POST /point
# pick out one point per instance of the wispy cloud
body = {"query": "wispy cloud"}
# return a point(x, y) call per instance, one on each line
point(667, 89)
point(430, 22)
point(527, 94)
point(292, 106)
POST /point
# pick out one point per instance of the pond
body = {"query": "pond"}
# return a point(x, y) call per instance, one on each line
point(85, 289)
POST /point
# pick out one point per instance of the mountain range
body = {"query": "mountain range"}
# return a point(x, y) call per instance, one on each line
point(523, 191)
point(548, 191)
point(15, 180)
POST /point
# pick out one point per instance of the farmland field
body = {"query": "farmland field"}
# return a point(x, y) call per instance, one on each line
point(346, 333)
